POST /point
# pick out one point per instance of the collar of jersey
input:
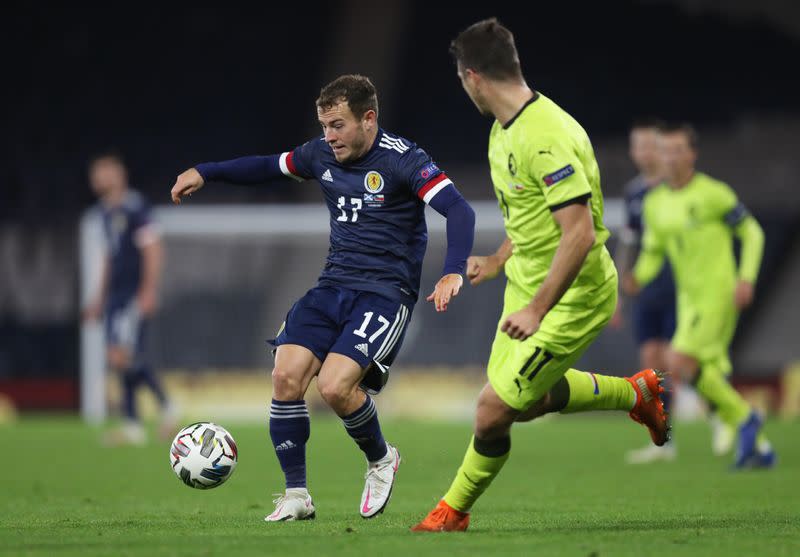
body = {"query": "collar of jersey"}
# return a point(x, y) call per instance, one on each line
point(530, 101)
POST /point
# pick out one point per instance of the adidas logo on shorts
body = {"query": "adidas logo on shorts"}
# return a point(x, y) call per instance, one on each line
point(363, 348)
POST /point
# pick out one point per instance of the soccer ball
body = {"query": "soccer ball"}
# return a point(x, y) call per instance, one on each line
point(203, 455)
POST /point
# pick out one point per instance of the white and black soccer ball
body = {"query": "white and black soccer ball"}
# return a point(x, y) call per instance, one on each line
point(203, 455)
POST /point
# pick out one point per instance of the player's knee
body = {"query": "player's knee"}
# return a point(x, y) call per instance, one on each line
point(336, 393)
point(492, 425)
point(286, 384)
point(487, 431)
point(539, 408)
point(494, 417)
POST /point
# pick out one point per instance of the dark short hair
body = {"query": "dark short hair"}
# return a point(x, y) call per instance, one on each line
point(648, 123)
point(683, 128)
point(488, 48)
point(357, 90)
point(108, 154)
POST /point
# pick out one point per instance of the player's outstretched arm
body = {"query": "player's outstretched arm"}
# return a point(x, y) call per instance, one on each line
point(243, 171)
point(460, 236)
point(152, 264)
point(752, 239)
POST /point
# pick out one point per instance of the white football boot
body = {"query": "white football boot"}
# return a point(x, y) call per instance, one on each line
point(168, 425)
point(130, 433)
point(380, 480)
point(295, 504)
point(652, 453)
point(723, 436)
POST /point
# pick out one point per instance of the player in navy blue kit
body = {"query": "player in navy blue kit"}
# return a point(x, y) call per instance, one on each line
point(127, 296)
point(347, 330)
point(653, 310)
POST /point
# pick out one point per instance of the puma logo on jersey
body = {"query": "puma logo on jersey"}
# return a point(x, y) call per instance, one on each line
point(646, 394)
point(327, 176)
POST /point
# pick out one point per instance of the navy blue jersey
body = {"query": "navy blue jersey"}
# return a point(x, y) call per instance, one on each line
point(377, 212)
point(127, 228)
point(662, 289)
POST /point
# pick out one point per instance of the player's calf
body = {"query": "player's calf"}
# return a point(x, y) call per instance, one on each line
point(493, 418)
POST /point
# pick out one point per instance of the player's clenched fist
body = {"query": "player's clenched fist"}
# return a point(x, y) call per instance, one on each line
point(187, 183)
point(522, 324)
point(482, 267)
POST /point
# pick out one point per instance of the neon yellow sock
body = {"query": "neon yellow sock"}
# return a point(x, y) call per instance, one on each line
point(473, 477)
point(714, 387)
point(590, 391)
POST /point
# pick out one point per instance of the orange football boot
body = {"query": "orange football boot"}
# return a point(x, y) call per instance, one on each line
point(649, 408)
point(443, 518)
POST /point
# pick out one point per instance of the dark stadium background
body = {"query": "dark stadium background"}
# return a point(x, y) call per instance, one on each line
point(172, 85)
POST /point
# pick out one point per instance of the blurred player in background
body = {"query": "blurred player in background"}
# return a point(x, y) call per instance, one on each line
point(562, 283)
point(128, 292)
point(348, 329)
point(691, 219)
point(653, 310)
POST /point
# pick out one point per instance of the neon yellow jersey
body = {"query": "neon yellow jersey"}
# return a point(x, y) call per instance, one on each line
point(540, 161)
point(694, 227)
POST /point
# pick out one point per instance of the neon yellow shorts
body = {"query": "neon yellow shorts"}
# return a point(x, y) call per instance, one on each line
point(705, 333)
point(521, 372)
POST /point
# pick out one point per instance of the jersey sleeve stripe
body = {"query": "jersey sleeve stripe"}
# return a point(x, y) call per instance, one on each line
point(433, 186)
point(580, 200)
point(287, 166)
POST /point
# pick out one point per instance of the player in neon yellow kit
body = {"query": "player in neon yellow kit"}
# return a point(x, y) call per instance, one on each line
point(562, 284)
point(691, 219)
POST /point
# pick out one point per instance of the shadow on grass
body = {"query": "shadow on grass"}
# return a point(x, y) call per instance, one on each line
point(687, 523)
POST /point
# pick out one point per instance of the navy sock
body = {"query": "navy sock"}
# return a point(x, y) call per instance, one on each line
point(130, 380)
point(290, 428)
point(147, 376)
point(364, 428)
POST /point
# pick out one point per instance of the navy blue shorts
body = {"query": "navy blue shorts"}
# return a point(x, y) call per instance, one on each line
point(653, 321)
point(125, 328)
point(364, 326)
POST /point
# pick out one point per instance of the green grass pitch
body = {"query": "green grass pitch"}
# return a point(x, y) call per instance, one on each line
point(565, 491)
